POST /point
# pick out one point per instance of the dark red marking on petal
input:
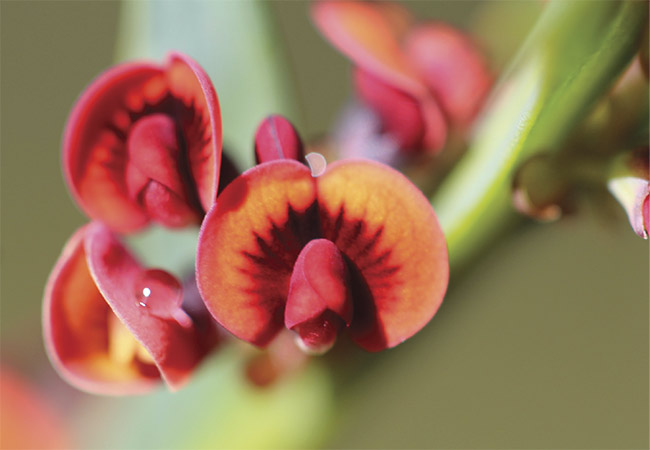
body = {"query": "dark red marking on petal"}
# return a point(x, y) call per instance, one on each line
point(276, 138)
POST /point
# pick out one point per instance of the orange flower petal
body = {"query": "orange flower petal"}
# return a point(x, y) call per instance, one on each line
point(249, 243)
point(388, 230)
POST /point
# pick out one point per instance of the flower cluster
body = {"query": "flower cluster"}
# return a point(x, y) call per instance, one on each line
point(420, 79)
point(293, 252)
point(289, 244)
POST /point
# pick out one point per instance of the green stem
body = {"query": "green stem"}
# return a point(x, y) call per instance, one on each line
point(572, 56)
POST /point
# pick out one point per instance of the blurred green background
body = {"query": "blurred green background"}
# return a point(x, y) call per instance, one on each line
point(541, 343)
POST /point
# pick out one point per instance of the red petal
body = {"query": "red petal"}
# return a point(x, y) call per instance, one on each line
point(189, 82)
point(276, 138)
point(249, 243)
point(452, 67)
point(363, 33)
point(414, 124)
point(389, 232)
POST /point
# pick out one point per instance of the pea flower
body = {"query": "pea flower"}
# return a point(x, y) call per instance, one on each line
point(143, 143)
point(114, 327)
point(352, 246)
point(419, 79)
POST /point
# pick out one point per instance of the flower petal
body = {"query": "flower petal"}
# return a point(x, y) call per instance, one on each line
point(387, 229)
point(364, 33)
point(414, 124)
point(249, 243)
point(97, 335)
point(452, 67)
point(276, 138)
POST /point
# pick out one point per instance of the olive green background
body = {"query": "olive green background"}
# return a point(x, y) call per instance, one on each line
point(543, 342)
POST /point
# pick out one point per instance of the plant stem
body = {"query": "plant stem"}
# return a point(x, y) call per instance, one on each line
point(572, 56)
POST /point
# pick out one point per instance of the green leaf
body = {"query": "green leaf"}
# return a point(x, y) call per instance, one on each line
point(571, 58)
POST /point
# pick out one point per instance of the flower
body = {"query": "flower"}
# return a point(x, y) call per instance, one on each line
point(143, 143)
point(113, 327)
point(419, 79)
point(358, 248)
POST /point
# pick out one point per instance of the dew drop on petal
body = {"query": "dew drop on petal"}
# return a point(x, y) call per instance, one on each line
point(159, 292)
point(317, 163)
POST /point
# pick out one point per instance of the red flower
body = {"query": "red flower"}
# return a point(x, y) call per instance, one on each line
point(143, 143)
point(418, 79)
point(112, 327)
point(276, 138)
point(357, 248)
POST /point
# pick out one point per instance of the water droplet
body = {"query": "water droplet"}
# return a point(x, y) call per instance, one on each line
point(317, 163)
point(159, 292)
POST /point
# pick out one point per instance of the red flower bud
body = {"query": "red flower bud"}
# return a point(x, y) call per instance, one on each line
point(276, 138)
